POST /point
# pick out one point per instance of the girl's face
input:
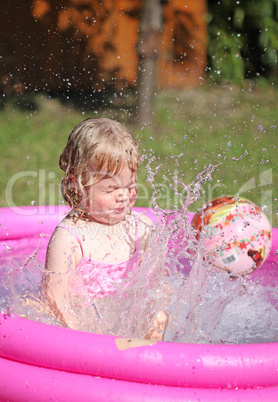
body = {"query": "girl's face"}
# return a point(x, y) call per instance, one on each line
point(111, 198)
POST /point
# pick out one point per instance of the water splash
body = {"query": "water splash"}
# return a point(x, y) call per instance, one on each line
point(202, 304)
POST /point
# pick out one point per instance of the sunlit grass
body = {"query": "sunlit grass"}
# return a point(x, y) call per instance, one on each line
point(235, 128)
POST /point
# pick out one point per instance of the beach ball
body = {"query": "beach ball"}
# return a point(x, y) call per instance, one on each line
point(236, 234)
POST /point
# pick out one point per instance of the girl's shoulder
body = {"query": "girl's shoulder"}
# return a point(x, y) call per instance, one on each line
point(63, 232)
point(75, 226)
point(61, 250)
point(68, 222)
point(67, 235)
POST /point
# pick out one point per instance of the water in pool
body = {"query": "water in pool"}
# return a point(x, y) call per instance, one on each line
point(205, 305)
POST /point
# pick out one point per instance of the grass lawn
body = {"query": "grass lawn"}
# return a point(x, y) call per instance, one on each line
point(234, 128)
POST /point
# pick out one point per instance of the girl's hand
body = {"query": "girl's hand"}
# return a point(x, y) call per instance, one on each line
point(159, 326)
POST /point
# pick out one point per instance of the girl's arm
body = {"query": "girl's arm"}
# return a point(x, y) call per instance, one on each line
point(66, 295)
point(60, 255)
point(59, 275)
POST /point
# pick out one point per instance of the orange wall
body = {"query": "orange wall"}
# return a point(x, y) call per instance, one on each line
point(81, 44)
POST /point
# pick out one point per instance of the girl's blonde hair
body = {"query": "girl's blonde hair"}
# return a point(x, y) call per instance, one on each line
point(96, 148)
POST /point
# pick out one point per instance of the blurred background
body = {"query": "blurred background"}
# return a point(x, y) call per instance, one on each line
point(196, 81)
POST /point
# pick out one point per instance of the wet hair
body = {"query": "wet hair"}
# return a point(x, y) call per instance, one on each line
point(96, 149)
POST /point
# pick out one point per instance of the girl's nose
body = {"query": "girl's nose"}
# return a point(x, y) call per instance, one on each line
point(122, 194)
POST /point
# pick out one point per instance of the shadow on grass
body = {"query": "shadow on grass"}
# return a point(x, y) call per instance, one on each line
point(84, 100)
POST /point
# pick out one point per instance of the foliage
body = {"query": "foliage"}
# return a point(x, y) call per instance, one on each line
point(242, 39)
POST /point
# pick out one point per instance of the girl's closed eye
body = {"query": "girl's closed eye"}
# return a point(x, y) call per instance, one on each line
point(132, 187)
point(109, 190)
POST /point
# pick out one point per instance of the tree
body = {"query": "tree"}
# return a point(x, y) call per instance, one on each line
point(149, 29)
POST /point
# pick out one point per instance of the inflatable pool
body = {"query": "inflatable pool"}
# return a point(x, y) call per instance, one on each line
point(41, 362)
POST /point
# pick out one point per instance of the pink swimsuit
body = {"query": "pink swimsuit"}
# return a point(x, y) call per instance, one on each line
point(100, 278)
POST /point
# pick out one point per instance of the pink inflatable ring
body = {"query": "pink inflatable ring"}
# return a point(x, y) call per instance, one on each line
point(40, 362)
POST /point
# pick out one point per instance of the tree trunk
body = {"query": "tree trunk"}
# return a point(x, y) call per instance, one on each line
point(149, 30)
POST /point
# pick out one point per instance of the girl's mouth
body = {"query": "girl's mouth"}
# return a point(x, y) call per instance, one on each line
point(120, 210)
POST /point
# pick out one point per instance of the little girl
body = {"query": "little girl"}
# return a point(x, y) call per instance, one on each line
point(101, 239)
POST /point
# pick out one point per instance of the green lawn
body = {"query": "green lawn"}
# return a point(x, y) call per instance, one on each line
point(234, 128)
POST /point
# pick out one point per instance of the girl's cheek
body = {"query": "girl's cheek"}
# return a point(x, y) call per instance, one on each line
point(110, 198)
point(133, 196)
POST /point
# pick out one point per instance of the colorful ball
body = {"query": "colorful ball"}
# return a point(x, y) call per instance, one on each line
point(237, 234)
